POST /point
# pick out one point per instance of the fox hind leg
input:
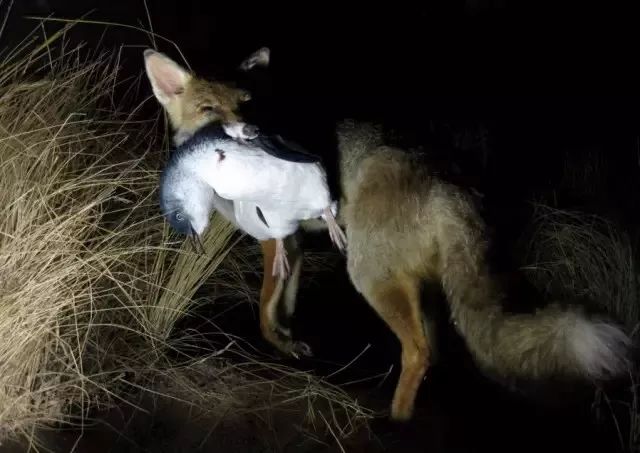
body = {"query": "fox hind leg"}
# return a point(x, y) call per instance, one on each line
point(397, 302)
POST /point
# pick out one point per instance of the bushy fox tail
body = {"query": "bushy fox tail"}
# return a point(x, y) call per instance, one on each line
point(550, 342)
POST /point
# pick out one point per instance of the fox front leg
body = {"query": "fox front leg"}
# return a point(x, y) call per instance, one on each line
point(276, 294)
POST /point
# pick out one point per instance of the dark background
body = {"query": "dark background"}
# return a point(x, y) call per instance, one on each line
point(547, 80)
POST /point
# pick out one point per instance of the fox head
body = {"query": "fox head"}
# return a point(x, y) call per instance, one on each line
point(192, 102)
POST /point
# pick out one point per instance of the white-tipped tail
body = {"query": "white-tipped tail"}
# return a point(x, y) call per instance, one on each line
point(601, 349)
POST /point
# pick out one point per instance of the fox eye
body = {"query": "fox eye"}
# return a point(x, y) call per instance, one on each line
point(207, 108)
point(179, 217)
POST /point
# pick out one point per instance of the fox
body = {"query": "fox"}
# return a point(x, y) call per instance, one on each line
point(405, 226)
point(192, 102)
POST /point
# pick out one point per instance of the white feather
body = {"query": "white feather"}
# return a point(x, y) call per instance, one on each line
point(286, 192)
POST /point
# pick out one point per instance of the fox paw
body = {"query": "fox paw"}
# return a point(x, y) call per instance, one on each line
point(300, 348)
point(283, 342)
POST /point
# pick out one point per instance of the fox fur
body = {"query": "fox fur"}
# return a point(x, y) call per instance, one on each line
point(192, 102)
point(405, 226)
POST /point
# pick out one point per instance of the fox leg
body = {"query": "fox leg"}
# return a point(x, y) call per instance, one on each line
point(397, 302)
point(272, 292)
point(290, 295)
point(269, 295)
point(291, 285)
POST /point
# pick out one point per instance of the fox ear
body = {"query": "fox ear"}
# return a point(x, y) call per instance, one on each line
point(168, 79)
point(258, 58)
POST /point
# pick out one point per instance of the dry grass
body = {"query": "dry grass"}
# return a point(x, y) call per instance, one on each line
point(91, 281)
point(575, 256)
point(579, 255)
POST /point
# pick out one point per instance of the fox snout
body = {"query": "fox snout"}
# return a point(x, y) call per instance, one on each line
point(250, 131)
point(241, 131)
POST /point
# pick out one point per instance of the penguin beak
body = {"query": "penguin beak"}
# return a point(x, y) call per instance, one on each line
point(196, 242)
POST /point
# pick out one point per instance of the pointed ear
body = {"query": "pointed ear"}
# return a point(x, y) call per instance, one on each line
point(258, 58)
point(168, 79)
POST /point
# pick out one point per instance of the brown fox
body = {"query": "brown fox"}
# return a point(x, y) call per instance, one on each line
point(192, 102)
point(405, 226)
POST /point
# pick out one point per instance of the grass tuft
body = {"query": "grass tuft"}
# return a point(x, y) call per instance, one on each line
point(92, 281)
